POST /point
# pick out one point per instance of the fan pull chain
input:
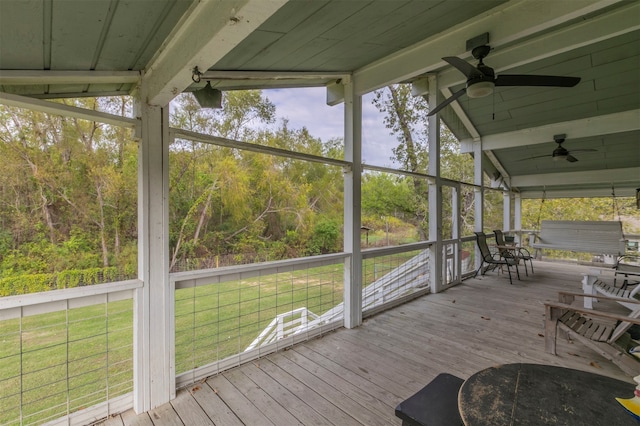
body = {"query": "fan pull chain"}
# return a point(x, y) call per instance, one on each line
point(493, 106)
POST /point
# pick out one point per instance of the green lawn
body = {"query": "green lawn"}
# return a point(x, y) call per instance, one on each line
point(74, 358)
point(216, 321)
point(77, 358)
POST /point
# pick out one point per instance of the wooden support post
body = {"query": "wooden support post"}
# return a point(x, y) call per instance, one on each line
point(436, 258)
point(517, 218)
point(154, 376)
point(479, 196)
point(506, 211)
point(352, 206)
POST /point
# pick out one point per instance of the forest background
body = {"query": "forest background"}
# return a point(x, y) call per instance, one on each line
point(68, 191)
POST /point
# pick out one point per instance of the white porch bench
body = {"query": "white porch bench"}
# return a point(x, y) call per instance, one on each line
point(601, 237)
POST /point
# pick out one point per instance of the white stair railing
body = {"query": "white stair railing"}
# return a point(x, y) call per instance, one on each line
point(284, 325)
point(412, 274)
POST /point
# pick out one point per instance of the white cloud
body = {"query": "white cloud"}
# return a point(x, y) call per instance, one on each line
point(306, 107)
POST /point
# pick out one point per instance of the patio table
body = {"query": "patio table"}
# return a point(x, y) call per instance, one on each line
point(534, 394)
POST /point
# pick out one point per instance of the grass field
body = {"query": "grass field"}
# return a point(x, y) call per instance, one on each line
point(216, 321)
point(67, 360)
point(57, 363)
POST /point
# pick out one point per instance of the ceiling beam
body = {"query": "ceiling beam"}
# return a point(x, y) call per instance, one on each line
point(587, 127)
point(31, 77)
point(206, 34)
point(272, 75)
point(566, 38)
point(507, 23)
point(613, 176)
point(88, 94)
point(243, 80)
point(66, 110)
point(497, 165)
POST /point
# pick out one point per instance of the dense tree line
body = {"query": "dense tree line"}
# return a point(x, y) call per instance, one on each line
point(65, 191)
point(234, 202)
point(69, 187)
point(68, 190)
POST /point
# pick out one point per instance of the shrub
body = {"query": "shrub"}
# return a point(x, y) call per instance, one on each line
point(325, 238)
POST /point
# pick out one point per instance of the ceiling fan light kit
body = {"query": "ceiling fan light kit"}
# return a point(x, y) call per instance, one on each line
point(480, 89)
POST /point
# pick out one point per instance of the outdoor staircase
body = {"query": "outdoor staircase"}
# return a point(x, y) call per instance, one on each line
point(402, 280)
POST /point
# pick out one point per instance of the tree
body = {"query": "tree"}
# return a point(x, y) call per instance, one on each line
point(241, 113)
point(67, 177)
point(386, 195)
point(235, 201)
point(406, 118)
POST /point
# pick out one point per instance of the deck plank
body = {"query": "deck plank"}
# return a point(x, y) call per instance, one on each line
point(260, 399)
point(130, 418)
point(358, 376)
point(373, 383)
point(213, 406)
point(306, 394)
point(361, 414)
point(284, 397)
point(378, 411)
point(165, 415)
point(188, 409)
point(242, 406)
point(394, 378)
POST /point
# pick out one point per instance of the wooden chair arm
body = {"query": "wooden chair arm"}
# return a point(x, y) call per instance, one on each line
point(600, 297)
point(591, 312)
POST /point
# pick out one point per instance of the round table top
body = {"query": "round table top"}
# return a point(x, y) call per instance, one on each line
point(534, 394)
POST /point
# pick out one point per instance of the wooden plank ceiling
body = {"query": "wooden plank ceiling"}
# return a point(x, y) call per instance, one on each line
point(51, 49)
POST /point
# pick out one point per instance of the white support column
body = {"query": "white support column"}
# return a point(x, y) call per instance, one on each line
point(506, 210)
point(154, 375)
point(517, 216)
point(435, 193)
point(455, 212)
point(479, 196)
point(352, 206)
point(457, 225)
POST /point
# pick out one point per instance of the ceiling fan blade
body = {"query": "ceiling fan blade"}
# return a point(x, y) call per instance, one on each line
point(448, 101)
point(536, 80)
point(532, 158)
point(584, 150)
point(571, 158)
point(463, 66)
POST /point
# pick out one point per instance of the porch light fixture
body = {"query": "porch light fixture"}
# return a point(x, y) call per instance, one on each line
point(208, 97)
point(480, 89)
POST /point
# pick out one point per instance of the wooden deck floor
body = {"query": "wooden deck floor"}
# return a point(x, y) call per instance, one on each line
point(353, 377)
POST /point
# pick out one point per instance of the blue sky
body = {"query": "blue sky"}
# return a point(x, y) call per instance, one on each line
point(307, 107)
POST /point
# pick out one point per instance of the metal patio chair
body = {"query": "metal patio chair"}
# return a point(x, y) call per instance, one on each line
point(520, 252)
point(494, 260)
